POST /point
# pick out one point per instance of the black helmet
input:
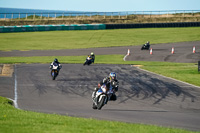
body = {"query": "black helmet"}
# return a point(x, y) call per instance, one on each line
point(55, 60)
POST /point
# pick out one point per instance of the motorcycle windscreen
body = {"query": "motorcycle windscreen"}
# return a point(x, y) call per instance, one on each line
point(55, 64)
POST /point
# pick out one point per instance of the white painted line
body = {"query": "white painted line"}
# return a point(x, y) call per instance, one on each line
point(169, 78)
point(125, 57)
point(10, 99)
point(15, 99)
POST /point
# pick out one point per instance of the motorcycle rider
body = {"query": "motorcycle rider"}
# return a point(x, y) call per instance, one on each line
point(147, 44)
point(92, 56)
point(56, 63)
point(111, 83)
point(88, 60)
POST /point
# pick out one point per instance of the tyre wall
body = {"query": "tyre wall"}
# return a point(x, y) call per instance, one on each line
point(31, 28)
point(152, 25)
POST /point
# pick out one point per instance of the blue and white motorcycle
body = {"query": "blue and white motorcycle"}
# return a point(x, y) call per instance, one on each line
point(100, 97)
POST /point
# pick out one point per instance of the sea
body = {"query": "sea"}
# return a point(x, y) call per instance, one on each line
point(8, 13)
point(14, 12)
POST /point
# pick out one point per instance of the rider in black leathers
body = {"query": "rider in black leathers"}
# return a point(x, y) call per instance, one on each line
point(147, 44)
point(111, 83)
point(54, 63)
point(92, 56)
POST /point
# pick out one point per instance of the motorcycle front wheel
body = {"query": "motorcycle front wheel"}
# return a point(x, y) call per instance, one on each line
point(53, 74)
point(100, 104)
point(94, 106)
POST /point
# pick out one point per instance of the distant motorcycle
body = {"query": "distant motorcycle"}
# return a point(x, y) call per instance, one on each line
point(101, 98)
point(54, 70)
point(88, 61)
point(145, 46)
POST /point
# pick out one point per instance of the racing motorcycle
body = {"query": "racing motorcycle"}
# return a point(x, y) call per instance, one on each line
point(103, 95)
point(145, 46)
point(100, 98)
point(54, 71)
point(88, 61)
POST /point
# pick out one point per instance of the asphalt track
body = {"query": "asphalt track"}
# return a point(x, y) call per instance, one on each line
point(161, 52)
point(143, 97)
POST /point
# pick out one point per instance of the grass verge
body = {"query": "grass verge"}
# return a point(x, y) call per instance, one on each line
point(95, 38)
point(20, 121)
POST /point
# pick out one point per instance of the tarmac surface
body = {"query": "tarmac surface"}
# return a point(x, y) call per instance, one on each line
point(143, 97)
point(183, 52)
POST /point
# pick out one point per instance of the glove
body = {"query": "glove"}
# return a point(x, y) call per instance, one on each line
point(115, 84)
point(104, 80)
point(99, 85)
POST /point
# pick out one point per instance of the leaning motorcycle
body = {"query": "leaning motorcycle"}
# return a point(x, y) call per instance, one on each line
point(147, 46)
point(88, 61)
point(100, 98)
point(54, 71)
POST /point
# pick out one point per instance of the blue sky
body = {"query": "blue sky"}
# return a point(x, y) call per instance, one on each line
point(103, 5)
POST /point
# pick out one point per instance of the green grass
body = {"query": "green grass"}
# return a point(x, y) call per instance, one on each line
point(186, 72)
point(183, 72)
point(20, 121)
point(95, 38)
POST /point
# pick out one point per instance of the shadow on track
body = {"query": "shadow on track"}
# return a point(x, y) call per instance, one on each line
point(123, 110)
point(143, 86)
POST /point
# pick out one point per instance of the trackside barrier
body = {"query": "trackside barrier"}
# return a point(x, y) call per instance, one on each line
point(152, 25)
point(31, 28)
